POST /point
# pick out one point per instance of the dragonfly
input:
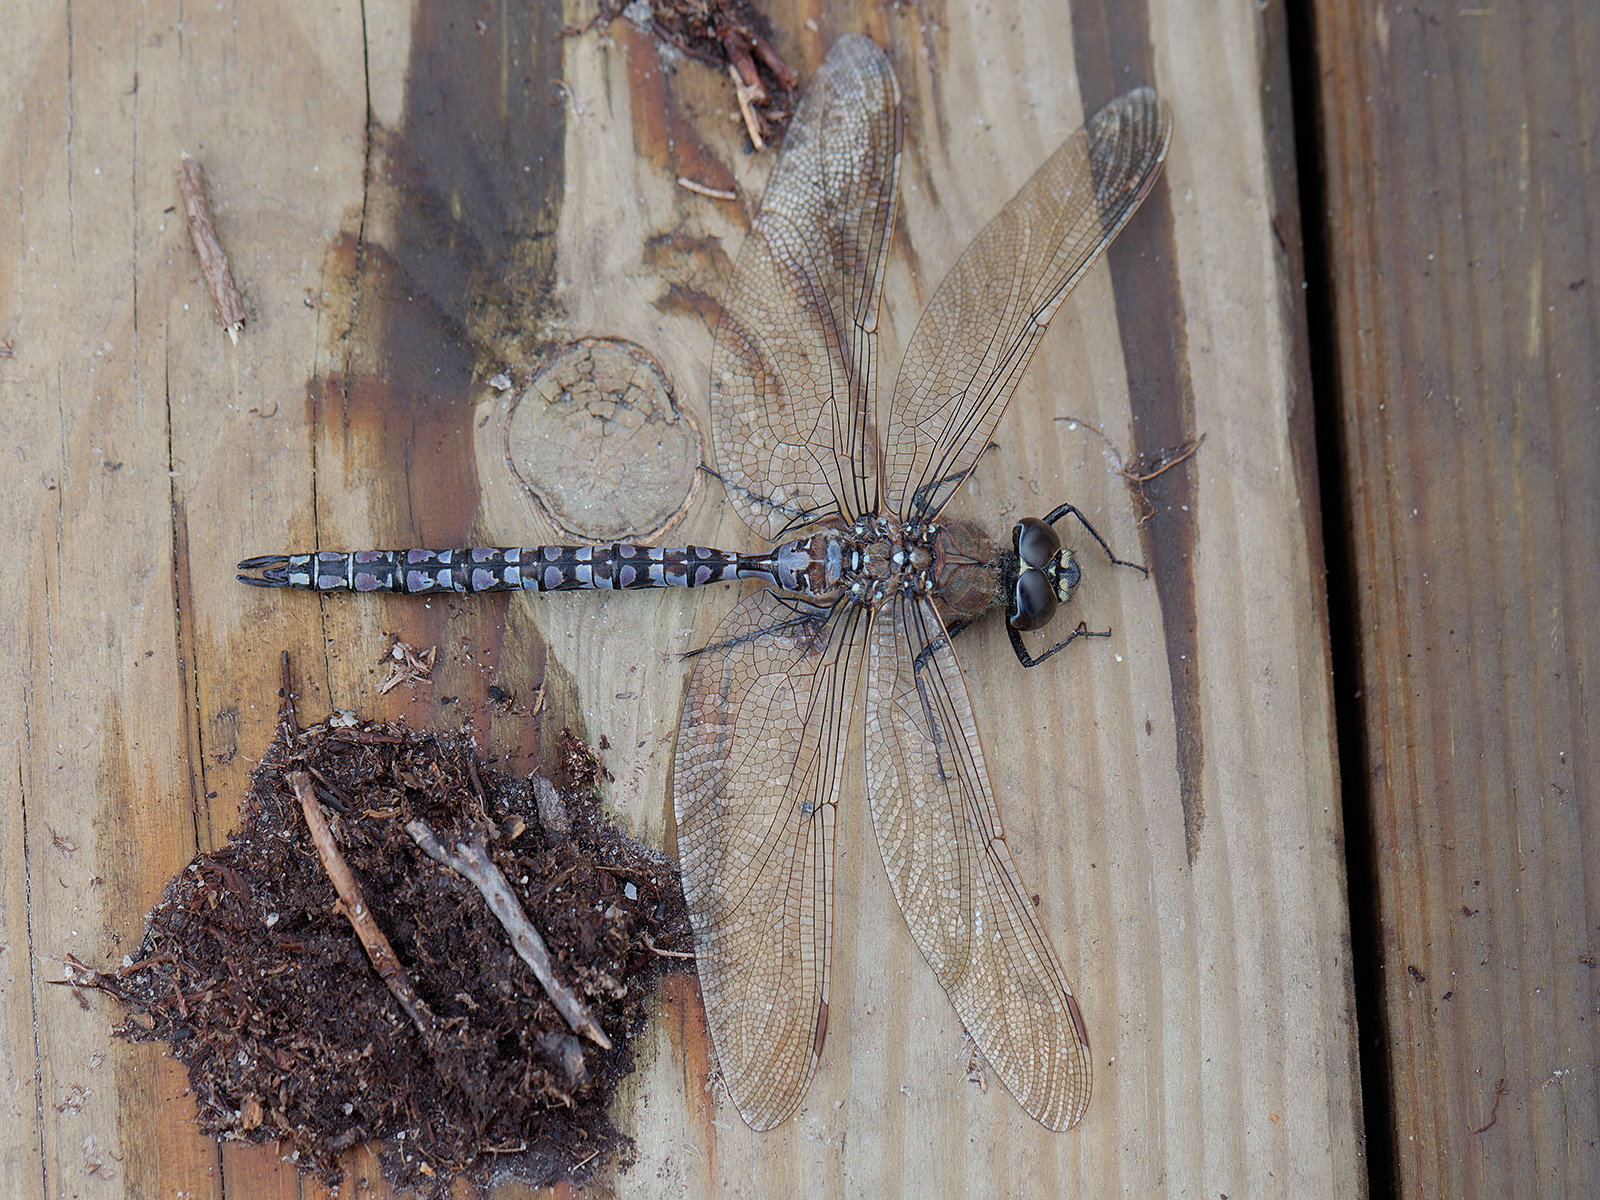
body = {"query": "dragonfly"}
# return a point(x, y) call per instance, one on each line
point(866, 585)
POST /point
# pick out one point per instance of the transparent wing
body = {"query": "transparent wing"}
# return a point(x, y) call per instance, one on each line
point(756, 781)
point(945, 851)
point(975, 339)
point(792, 374)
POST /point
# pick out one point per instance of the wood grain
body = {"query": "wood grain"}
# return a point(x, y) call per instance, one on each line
point(506, 191)
point(1460, 153)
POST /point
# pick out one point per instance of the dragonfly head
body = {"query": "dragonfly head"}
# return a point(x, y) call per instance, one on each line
point(1046, 574)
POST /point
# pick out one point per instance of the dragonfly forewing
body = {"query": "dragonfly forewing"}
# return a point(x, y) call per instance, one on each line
point(792, 411)
point(972, 344)
point(945, 852)
point(758, 764)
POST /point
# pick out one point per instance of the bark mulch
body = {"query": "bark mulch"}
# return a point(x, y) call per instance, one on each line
point(255, 978)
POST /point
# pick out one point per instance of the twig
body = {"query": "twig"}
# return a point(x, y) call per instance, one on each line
point(470, 859)
point(744, 95)
point(683, 47)
point(737, 48)
point(366, 737)
point(768, 55)
point(155, 960)
point(650, 943)
point(1166, 461)
point(213, 259)
point(701, 189)
point(355, 908)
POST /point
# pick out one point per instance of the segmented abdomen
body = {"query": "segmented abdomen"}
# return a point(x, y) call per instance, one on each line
point(501, 569)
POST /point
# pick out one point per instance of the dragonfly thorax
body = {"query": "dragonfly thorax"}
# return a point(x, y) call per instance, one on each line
point(964, 576)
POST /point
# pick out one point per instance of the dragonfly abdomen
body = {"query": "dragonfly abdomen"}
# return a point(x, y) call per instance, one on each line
point(616, 566)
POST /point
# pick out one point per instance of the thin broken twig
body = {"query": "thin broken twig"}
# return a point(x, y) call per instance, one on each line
point(470, 859)
point(701, 189)
point(744, 94)
point(660, 953)
point(213, 259)
point(1165, 461)
point(355, 909)
point(1143, 467)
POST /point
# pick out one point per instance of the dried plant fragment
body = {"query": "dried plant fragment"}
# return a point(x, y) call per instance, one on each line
point(213, 259)
point(470, 859)
point(406, 666)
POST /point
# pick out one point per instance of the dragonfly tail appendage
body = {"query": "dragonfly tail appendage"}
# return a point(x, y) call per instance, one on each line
point(274, 570)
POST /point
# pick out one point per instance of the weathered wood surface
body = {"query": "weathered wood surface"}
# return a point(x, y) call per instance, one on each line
point(1464, 250)
point(1170, 794)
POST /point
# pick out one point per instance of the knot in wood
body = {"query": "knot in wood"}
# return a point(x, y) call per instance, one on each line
point(598, 440)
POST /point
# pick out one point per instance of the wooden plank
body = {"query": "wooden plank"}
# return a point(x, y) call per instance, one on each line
point(120, 391)
point(101, 778)
point(1462, 249)
point(1169, 794)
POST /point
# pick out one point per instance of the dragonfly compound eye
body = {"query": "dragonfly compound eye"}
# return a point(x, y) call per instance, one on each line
point(1034, 602)
point(1037, 543)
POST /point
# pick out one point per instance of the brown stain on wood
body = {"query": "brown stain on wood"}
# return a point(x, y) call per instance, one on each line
point(696, 270)
point(468, 190)
point(662, 132)
point(1150, 315)
point(691, 1040)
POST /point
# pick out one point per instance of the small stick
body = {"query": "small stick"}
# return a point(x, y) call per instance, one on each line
point(366, 737)
point(213, 259)
point(768, 55)
point(701, 189)
point(470, 860)
point(650, 943)
point(355, 908)
point(1186, 451)
point(155, 960)
point(743, 95)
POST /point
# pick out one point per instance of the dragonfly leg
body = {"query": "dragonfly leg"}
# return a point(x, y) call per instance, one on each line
point(806, 623)
point(798, 517)
point(1023, 657)
point(1082, 631)
point(929, 710)
point(1063, 510)
point(923, 497)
